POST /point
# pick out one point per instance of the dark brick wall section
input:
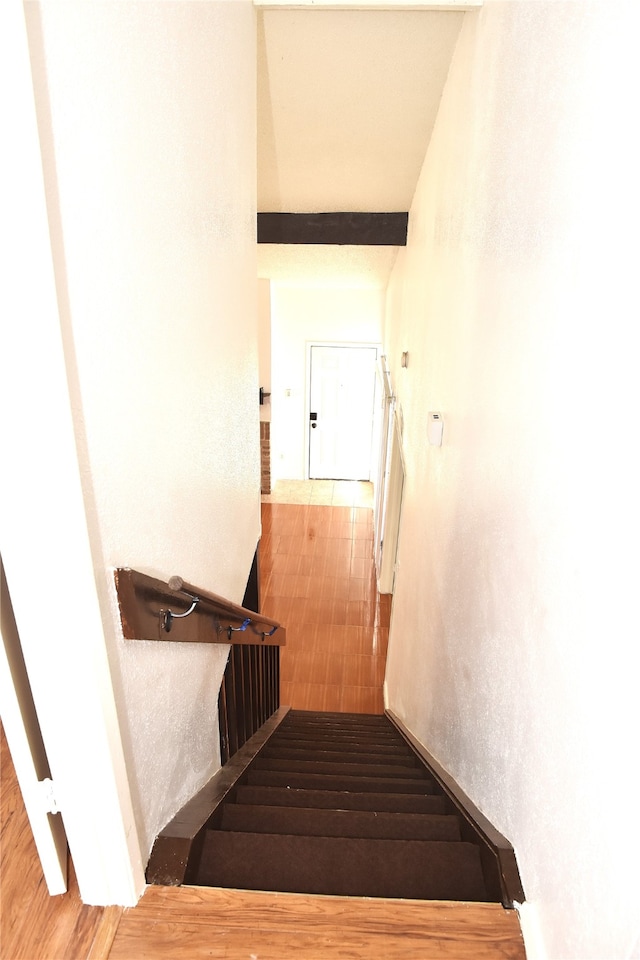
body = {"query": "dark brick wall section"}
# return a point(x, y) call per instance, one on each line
point(265, 457)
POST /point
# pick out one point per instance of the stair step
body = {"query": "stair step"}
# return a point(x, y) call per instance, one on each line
point(344, 721)
point(348, 746)
point(341, 743)
point(305, 821)
point(339, 769)
point(318, 781)
point(336, 730)
point(371, 725)
point(329, 799)
point(320, 731)
point(338, 756)
point(430, 870)
point(359, 719)
point(343, 746)
point(354, 745)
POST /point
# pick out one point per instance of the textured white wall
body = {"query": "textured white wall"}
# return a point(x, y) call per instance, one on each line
point(147, 115)
point(515, 620)
point(301, 313)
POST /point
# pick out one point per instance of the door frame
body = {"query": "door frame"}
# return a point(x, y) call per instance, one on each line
point(386, 408)
point(365, 344)
point(395, 477)
point(390, 482)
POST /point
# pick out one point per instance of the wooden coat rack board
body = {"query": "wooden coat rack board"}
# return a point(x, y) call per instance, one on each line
point(180, 612)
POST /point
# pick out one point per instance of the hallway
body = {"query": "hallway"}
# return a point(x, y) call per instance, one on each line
point(318, 578)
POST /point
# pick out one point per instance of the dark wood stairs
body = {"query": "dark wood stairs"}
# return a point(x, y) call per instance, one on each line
point(341, 804)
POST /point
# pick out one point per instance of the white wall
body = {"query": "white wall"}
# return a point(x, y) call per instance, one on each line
point(301, 313)
point(515, 620)
point(147, 120)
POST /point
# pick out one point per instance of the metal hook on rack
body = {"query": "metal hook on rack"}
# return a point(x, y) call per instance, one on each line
point(240, 629)
point(167, 616)
point(264, 634)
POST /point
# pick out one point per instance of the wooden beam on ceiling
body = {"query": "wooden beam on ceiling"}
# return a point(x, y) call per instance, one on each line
point(354, 229)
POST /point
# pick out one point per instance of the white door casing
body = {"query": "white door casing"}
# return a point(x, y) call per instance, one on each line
point(389, 484)
point(390, 533)
point(385, 418)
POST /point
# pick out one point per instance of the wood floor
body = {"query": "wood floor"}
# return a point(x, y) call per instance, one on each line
point(191, 923)
point(33, 925)
point(318, 578)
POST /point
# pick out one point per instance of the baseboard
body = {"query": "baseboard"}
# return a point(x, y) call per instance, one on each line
point(529, 917)
point(176, 846)
point(499, 865)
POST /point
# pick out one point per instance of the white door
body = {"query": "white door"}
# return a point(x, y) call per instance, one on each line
point(341, 408)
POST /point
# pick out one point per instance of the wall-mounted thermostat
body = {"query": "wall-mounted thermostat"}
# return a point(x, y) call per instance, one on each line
point(434, 429)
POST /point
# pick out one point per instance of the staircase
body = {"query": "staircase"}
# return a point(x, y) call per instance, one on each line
point(339, 804)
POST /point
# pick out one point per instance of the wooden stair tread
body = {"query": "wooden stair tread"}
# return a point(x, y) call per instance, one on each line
point(342, 744)
point(377, 725)
point(340, 866)
point(352, 768)
point(337, 735)
point(329, 799)
point(329, 717)
point(362, 726)
point(343, 747)
point(308, 821)
point(282, 778)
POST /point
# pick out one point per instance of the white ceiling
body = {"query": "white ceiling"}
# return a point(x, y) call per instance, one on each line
point(347, 100)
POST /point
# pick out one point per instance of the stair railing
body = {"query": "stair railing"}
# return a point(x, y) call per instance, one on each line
point(249, 694)
point(177, 611)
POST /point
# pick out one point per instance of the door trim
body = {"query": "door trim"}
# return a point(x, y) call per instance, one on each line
point(395, 474)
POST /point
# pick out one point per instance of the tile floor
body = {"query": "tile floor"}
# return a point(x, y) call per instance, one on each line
point(344, 493)
point(318, 579)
